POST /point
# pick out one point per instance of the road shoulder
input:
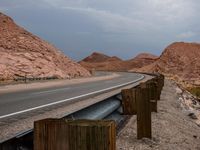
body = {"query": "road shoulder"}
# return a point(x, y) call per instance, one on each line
point(171, 127)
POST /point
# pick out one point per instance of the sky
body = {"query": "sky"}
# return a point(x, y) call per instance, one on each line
point(122, 28)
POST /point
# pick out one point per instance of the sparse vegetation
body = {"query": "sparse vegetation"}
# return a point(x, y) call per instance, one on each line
point(195, 91)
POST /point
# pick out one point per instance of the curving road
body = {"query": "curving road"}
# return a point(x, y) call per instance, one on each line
point(21, 102)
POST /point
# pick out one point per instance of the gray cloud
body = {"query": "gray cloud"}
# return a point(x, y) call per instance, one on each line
point(186, 35)
point(120, 27)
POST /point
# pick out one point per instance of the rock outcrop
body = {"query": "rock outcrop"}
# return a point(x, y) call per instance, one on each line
point(24, 54)
point(179, 61)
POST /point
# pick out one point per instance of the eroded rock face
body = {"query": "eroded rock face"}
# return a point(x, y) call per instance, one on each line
point(100, 61)
point(180, 61)
point(24, 54)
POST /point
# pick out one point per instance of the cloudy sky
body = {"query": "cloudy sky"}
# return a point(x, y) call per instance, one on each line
point(115, 27)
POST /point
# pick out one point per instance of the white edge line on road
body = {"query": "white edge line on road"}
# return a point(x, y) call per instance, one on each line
point(72, 98)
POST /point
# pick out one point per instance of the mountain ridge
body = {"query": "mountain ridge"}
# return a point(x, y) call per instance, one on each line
point(99, 61)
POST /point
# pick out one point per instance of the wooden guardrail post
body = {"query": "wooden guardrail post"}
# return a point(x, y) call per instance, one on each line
point(152, 88)
point(158, 87)
point(143, 112)
point(58, 134)
point(51, 134)
point(92, 135)
point(163, 79)
point(129, 101)
point(160, 79)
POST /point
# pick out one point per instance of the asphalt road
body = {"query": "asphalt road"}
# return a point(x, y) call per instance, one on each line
point(23, 101)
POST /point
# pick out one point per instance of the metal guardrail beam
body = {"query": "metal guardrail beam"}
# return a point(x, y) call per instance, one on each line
point(97, 111)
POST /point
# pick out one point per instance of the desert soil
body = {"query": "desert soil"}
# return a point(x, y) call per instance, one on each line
point(173, 127)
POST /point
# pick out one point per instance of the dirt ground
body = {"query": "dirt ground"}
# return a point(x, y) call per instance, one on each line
point(173, 127)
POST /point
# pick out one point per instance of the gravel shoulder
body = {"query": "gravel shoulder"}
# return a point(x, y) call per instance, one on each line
point(172, 126)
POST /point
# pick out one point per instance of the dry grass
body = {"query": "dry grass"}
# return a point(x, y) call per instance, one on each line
point(195, 91)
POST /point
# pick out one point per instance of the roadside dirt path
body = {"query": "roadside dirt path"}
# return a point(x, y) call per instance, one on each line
point(172, 128)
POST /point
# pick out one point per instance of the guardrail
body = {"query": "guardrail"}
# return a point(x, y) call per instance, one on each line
point(26, 80)
point(132, 102)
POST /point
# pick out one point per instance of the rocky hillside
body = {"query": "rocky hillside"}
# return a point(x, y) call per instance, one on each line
point(100, 61)
point(180, 61)
point(24, 54)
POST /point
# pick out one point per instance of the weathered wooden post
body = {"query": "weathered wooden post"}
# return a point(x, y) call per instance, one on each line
point(25, 78)
point(59, 134)
point(92, 135)
point(157, 85)
point(160, 79)
point(143, 112)
point(129, 101)
point(163, 79)
point(51, 134)
point(92, 71)
point(160, 83)
point(152, 88)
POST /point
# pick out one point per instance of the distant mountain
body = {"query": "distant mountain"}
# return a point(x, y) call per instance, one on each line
point(24, 54)
point(100, 61)
point(141, 60)
point(180, 61)
point(96, 57)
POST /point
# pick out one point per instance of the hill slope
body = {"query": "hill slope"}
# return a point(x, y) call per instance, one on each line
point(22, 53)
point(180, 61)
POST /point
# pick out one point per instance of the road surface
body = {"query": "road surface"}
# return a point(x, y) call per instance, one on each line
point(21, 102)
